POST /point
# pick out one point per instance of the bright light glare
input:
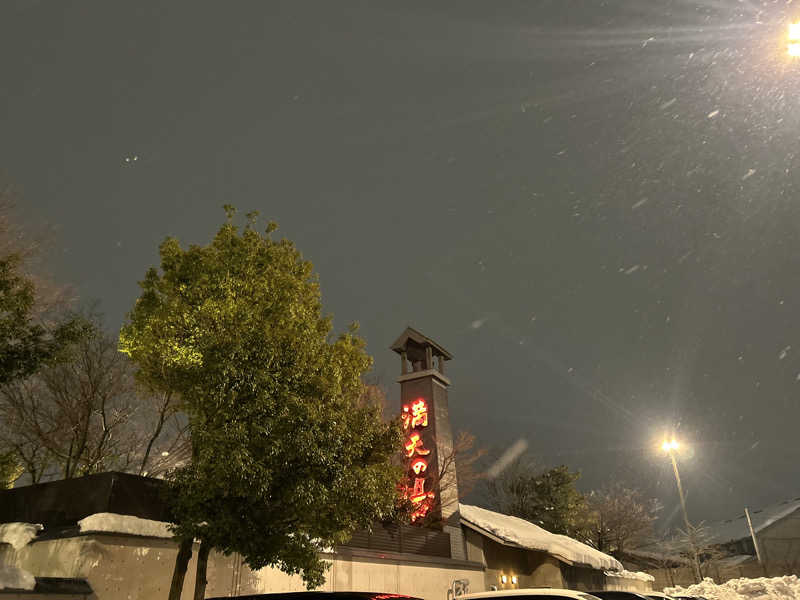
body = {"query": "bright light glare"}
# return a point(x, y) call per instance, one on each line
point(794, 39)
point(669, 445)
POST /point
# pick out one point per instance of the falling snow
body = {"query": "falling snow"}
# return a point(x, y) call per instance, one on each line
point(477, 323)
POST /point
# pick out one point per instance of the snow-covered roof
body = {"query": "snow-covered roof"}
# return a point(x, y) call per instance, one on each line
point(513, 531)
point(661, 552)
point(720, 532)
point(731, 530)
point(637, 575)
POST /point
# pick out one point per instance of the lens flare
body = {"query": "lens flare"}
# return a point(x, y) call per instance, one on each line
point(669, 445)
point(794, 39)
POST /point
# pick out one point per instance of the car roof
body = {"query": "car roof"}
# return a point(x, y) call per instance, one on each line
point(601, 593)
point(527, 592)
point(321, 596)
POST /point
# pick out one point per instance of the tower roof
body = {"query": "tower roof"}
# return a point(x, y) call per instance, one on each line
point(412, 337)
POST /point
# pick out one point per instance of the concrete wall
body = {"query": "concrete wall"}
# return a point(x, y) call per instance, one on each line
point(583, 579)
point(122, 567)
point(31, 596)
point(780, 543)
point(684, 576)
point(532, 569)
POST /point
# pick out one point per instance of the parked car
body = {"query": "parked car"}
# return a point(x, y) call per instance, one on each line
point(535, 593)
point(321, 596)
point(618, 595)
point(658, 596)
point(689, 598)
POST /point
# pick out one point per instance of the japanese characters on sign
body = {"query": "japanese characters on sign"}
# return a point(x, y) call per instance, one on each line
point(419, 492)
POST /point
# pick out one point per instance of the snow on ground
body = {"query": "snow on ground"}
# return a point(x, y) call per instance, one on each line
point(527, 535)
point(14, 578)
point(114, 523)
point(775, 588)
point(631, 575)
point(18, 535)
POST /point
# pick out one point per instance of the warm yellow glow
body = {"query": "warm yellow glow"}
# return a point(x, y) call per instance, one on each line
point(794, 39)
point(503, 579)
point(669, 445)
point(514, 579)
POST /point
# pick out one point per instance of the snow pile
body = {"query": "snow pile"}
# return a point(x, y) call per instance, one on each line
point(775, 588)
point(14, 578)
point(18, 535)
point(114, 523)
point(527, 535)
point(631, 575)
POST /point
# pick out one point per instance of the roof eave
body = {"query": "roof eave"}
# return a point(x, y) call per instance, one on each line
point(510, 544)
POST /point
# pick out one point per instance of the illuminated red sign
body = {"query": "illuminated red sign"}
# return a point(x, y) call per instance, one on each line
point(415, 419)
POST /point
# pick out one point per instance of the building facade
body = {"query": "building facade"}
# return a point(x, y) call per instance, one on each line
point(109, 532)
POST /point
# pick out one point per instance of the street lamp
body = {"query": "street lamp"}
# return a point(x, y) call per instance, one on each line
point(794, 39)
point(669, 446)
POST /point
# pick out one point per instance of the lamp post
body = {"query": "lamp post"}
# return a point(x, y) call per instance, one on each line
point(669, 447)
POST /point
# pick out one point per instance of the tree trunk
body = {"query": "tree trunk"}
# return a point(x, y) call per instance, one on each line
point(181, 563)
point(200, 580)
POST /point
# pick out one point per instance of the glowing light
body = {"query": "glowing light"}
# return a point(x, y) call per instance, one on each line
point(415, 415)
point(794, 39)
point(670, 445)
point(422, 505)
point(514, 579)
point(415, 445)
point(503, 579)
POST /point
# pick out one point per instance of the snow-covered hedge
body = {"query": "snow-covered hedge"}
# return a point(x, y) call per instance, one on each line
point(762, 588)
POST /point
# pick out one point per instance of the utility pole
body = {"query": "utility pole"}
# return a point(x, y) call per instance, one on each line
point(755, 541)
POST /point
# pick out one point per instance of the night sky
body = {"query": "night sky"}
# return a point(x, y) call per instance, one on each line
point(592, 205)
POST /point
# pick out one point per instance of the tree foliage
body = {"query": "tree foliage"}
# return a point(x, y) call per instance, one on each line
point(25, 342)
point(545, 497)
point(286, 457)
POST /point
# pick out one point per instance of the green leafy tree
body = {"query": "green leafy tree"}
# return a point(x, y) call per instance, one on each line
point(10, 469)
point(25, 343)
point(287, 458)
point(547, 498)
